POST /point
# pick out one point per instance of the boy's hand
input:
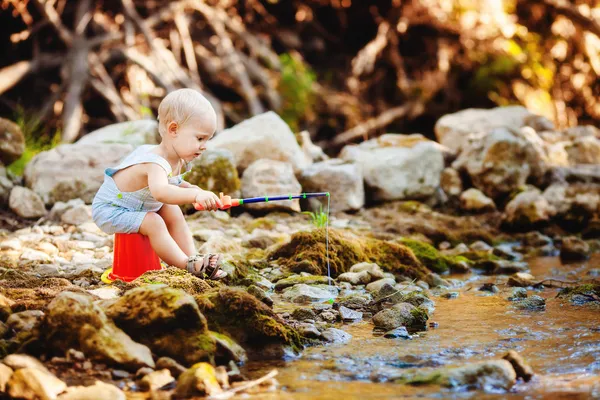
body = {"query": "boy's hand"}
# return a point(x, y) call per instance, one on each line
point(208, 200)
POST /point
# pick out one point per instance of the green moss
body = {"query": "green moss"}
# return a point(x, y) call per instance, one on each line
point(428, 255)
point(173, 277)
point(420, 317)
point(306, 252)
point(216, 174)
point(246, 319)
point(183, 345)
point(412, 206)
point(480, 256)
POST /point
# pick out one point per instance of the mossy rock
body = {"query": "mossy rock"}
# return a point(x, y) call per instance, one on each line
point(428, 255)
point(589, 289)
point(215, 171)
point(246, 319)
point(306, 252)
point(173, 277)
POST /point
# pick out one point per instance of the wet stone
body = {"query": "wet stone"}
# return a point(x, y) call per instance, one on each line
point(518, 293)
point(349, 315)
point(533, 303)
point(308, 330)
point(397, 333)
point(120, 374)
point(522, 369)
point(336, 336)
point(301, 314)
point(330, 316)
point(489, 287)
point(450, 295)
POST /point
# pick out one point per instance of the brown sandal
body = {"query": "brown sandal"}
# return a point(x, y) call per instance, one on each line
point(206, 271)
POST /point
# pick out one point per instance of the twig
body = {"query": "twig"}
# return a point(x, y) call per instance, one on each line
point(182, 24)
point(570, 11)
point(52, 16)
point(12, 74)
point(230, 393)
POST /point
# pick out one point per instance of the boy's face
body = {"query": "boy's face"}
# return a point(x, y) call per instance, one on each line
point(191, 137)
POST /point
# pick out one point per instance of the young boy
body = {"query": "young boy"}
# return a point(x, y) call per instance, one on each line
point(142, 194)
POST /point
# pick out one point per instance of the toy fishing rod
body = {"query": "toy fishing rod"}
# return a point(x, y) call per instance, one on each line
point(228, 202)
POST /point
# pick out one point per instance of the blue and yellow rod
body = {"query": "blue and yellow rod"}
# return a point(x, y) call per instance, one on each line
point(228, 202)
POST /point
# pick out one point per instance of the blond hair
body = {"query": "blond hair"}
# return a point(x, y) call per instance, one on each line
point(179, 105)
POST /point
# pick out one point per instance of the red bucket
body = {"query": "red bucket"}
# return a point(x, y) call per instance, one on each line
point(133, 255)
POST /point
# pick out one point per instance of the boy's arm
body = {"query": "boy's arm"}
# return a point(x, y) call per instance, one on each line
point(163, 192)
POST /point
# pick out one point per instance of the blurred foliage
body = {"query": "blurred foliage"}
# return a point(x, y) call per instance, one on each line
point(295, 87)
point(36, 139)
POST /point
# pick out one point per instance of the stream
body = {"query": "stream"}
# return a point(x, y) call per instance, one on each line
point(562, 345)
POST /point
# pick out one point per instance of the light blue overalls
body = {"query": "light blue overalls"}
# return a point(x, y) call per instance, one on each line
point(115, 211)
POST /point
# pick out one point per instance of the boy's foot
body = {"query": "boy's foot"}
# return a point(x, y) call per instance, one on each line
point(206, 266)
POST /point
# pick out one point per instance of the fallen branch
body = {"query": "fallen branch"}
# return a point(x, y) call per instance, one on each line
point(383, 119)
point(12, 74)
point(570, 11)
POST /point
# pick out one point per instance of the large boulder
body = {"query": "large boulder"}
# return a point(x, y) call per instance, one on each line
point(269, 177)
point(12, 141)
point(74, 321)
point(457, 129)
point(167, 320)
point(72, 171)
point(503, 160)
point(398, 167)
point(574, 204)
point(215, 171)
point(6, 186)
point(136, 133)
point(263, 136)
point(343, 180)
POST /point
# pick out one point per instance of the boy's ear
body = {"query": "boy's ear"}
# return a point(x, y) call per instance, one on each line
point(172, 128)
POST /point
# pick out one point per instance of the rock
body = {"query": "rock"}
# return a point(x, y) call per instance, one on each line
point(12, 141)
point(61, 207)
point(25, 320)
point(26, 203)
point(155, 380)
point(528, 210)
point(34, 255)
point(19, 361)
point(165, 319)
point(518, 293)
point(5, 307)
point(489, 287)
point(32, 383)
point(268, 176)
point(308, 331)
point(521, 279)
point(297, 279)
point(72, 171)
point(536, 239)
point(199, 380)
point(349, 315)
point(574, 249)
point(329, 316)
point(584, 150)
point(457, 129)
point(5, 374)
point(98, 391)
point(263, 136)
point(302, 293)
point(450, 295)
point(215, 171)
point(260, 294)
point(48, 248)
point(336, 336)
point(503, 161)
point(451, 182)
point(74, 321)
point(373, 269)
point(355, 278)
point(173, 366)
point(375, 287)
point(399, 332)
point(532, 303)
point(484, 375)
point(227, 349)
point(401, 314)
point(77, 215)
point(522, 369)
point(343, 180)
point(120, 374)
point(474, 200)
point(301, 314)
point(135, 133)
point(6, 186)
point(409, 170)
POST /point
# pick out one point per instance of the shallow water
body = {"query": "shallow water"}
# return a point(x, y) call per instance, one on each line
point(562, 344)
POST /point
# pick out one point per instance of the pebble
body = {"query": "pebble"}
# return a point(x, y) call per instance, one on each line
point(399, 332)
point(349, 315)
point(450, 295)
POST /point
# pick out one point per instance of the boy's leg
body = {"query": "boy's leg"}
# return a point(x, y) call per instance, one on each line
point(178, 228)
point(166, 248)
